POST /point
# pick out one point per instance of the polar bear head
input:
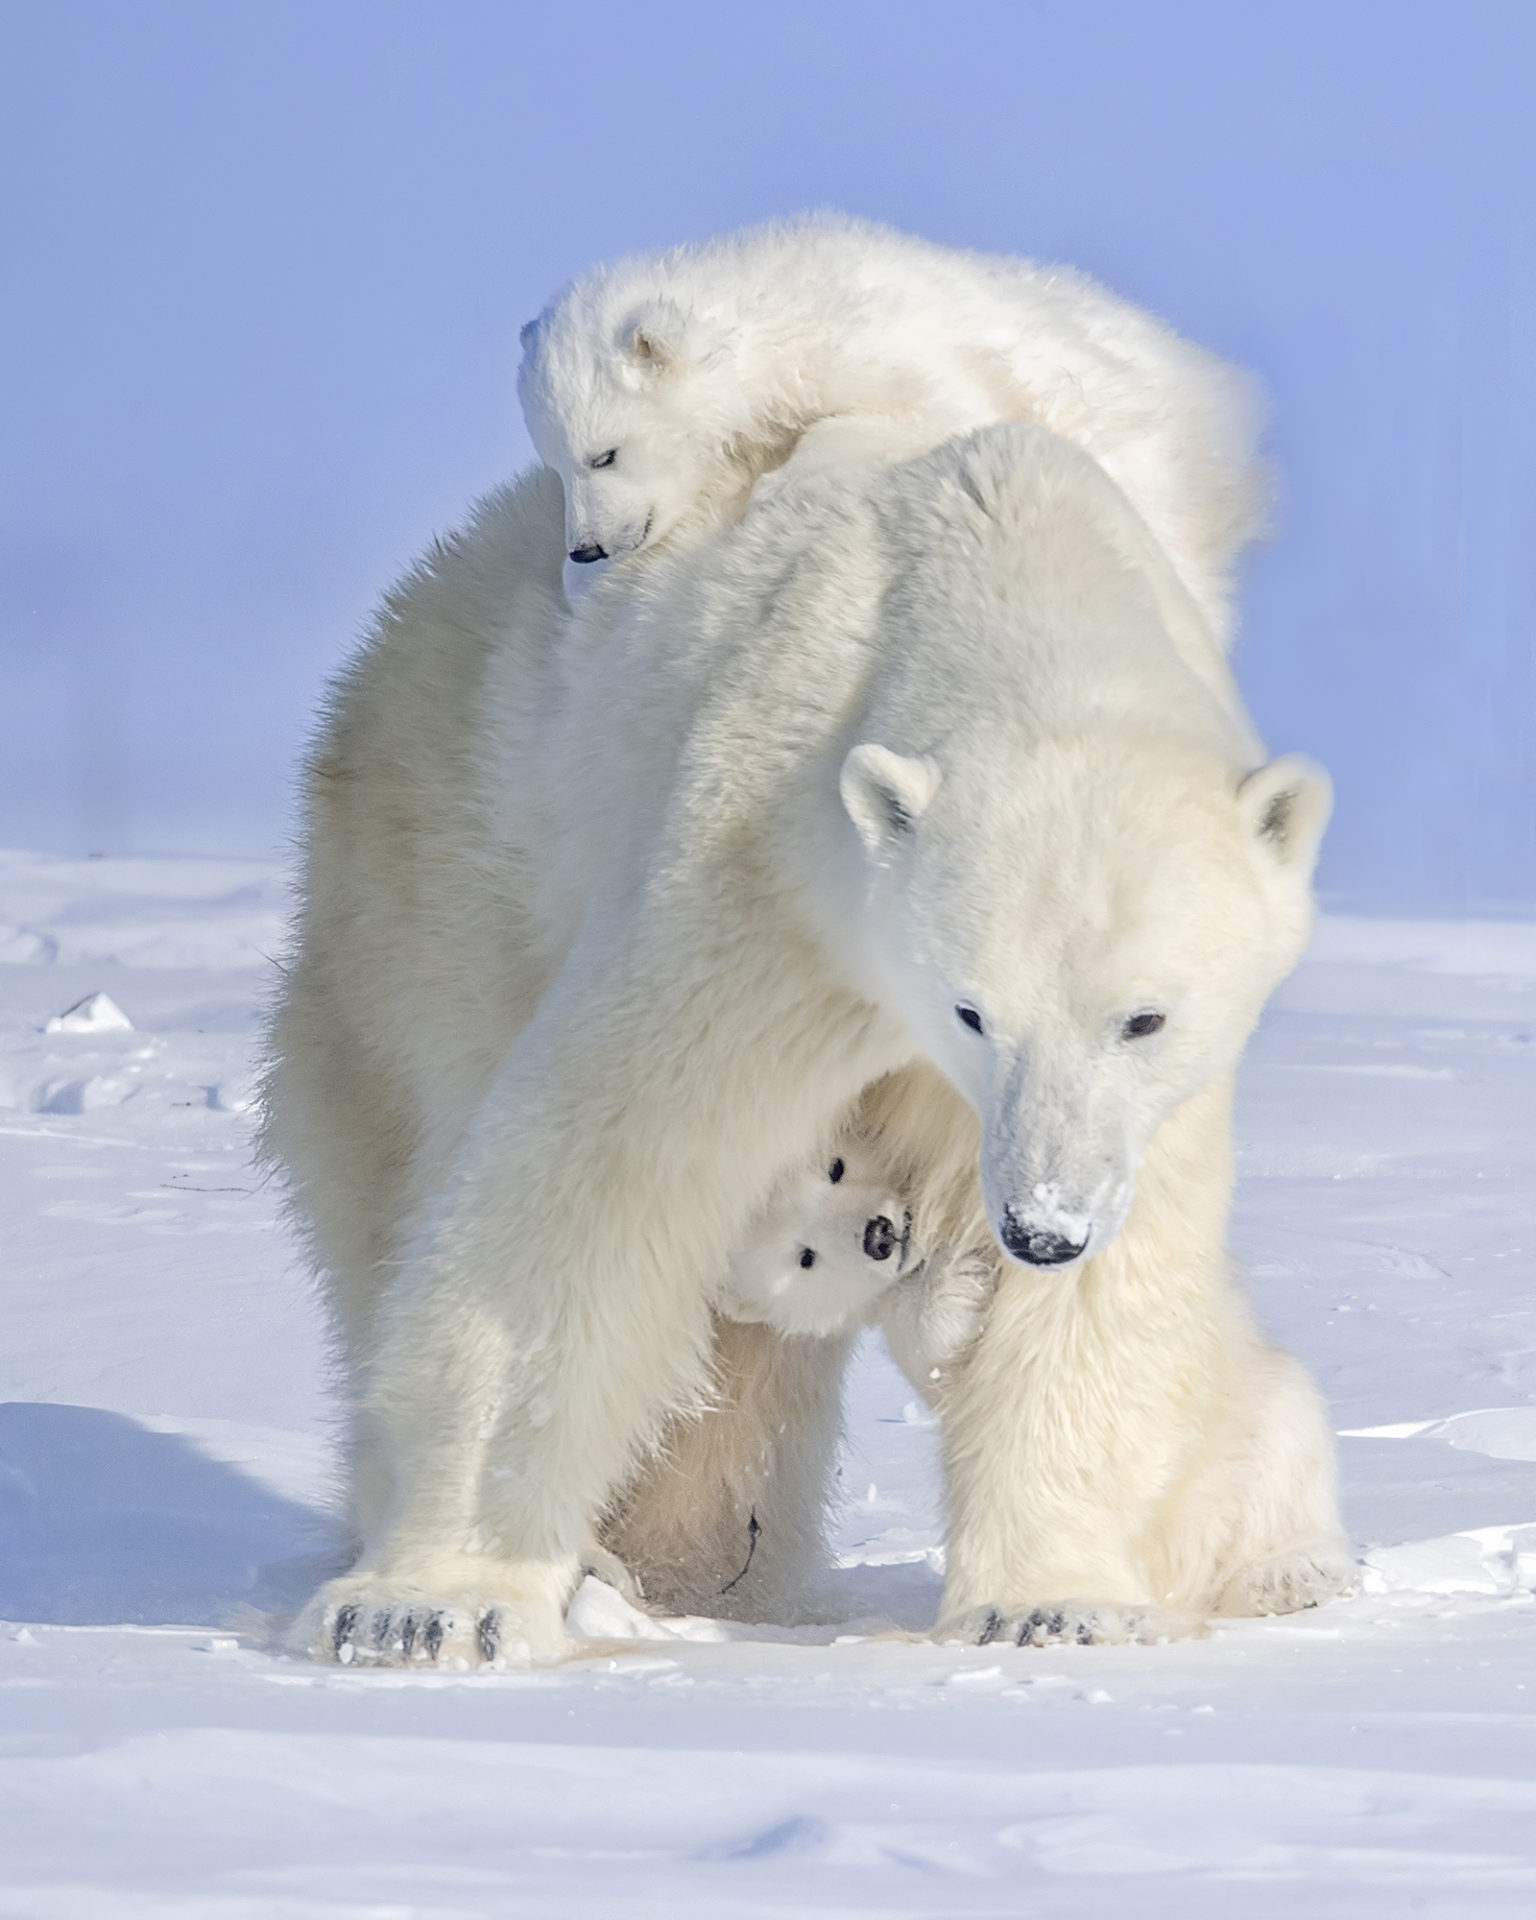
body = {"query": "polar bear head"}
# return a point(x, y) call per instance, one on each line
point(643, 411)
point(1078, 887)
point(1081, 949)
point(831, 1240)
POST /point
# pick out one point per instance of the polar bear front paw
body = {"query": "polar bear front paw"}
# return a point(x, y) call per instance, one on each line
point(365, 1622)
point(1069, 1623)
point(413, 1633)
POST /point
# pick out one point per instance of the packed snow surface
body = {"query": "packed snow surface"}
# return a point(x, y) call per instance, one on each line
point(165, 1468)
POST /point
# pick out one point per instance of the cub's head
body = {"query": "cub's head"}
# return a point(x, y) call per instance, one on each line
point(1081, 937)
point(829, 1243)
point(641, 414)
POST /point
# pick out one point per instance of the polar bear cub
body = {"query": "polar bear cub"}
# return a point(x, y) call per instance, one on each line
point(833, 1249)
point(831, 1240)
point(662, 388)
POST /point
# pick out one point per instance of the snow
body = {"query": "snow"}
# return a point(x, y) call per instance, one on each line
point(165, 1478)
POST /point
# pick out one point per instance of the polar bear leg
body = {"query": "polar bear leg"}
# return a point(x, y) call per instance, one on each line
point(1125, 1436)
point(1071, 1416)
point(726, 1517)
point(932, 1318)
point(558, 1310)
point(1047, 1500)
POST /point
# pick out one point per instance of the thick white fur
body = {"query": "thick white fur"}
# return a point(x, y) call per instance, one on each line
point(824, 340)
point(607, 919)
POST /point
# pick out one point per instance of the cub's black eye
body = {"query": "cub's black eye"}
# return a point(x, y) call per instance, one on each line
point(603, 459)
point(1141, 1026)
point(969, 1017)
point(808, 1259)
point(836, 1171)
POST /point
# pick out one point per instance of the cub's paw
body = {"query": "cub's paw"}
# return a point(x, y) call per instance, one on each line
point(1066, 1623)
point(364, 1621)
point(1291, 1582)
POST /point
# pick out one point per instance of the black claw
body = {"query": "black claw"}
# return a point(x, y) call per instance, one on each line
point(488, 1634)
point(991, 1627)
point(1085, 1630)
point(432, 1635)
point(1042, 1626)
point(383, 1624)
point(408, 1634)
point(347, 1618)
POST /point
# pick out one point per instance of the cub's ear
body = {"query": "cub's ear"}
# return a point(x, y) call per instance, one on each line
point(654, 336)
point(1287, 805)
point(886, 794)
point(528, 334)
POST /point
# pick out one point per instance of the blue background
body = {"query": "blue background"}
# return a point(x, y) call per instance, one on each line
point(264, 266)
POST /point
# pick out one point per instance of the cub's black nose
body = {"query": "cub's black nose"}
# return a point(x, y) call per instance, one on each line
point(584, 556)
point(880, 1238)
point(1037, 1245)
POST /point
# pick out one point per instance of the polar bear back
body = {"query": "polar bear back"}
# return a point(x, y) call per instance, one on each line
point(783, 326)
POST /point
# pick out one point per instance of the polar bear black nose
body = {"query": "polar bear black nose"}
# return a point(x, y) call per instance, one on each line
point(1037, 1245)
point(584, 556)
point(880, 1238)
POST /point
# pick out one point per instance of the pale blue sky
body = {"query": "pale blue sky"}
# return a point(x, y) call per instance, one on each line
point(265, 263)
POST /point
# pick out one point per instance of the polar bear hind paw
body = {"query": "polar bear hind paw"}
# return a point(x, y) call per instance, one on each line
point(1066, 1623)
point(1291, 1583)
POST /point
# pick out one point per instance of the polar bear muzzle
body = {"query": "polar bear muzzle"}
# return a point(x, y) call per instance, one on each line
point(1037, 1245)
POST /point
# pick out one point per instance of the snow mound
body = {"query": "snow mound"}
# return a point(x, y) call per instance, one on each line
point(1492, 1560)
point(600, 1612)
point(1502, 1433)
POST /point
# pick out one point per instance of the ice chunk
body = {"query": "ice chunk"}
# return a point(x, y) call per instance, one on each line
point(96, 1013)
point(600, 1612)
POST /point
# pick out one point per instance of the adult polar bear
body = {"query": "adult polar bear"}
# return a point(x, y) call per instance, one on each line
point(607, 918)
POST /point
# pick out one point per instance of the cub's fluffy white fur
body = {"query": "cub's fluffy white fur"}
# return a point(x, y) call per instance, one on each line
point(833, 1248)
point(660, 388)
point(831, 1240)
point(918, 802)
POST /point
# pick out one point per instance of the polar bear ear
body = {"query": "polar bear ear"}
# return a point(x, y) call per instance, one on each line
point(886, 794)
point(653, 336)
point(1287, 805)
point(528, 334)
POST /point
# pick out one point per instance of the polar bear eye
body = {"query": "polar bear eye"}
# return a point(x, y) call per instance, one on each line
point(1141, 1026)
point(836, 1171)
point(969, 1017)
point(603, 459)
point(808, 1258)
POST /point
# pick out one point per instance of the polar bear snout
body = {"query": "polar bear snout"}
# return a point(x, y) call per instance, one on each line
point(881, 1238)
point(1037, 1243)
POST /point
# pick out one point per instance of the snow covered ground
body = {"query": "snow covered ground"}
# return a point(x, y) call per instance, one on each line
point(164, 1465)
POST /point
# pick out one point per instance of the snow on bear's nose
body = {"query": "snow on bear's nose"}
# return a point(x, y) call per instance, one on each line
point(1035, 1243)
